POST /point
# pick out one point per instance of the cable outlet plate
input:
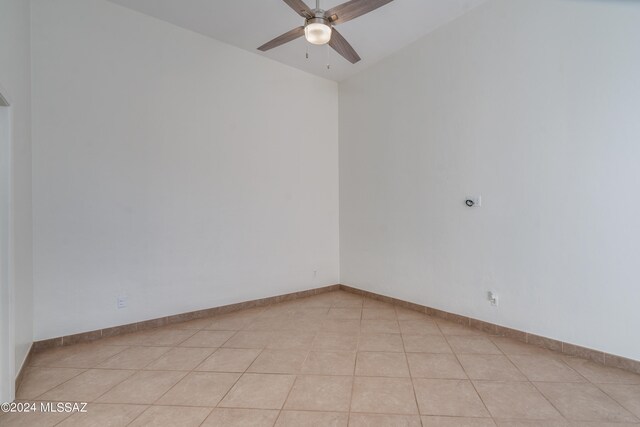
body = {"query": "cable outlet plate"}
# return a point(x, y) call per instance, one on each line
point(476, 201)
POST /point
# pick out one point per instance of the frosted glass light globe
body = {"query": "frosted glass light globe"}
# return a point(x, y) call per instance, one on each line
point(317, 33)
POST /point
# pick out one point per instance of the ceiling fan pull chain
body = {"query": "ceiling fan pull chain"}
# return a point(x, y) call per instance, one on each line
point(328, 61)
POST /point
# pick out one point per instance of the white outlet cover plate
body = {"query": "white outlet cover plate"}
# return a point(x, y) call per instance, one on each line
point(121, 302)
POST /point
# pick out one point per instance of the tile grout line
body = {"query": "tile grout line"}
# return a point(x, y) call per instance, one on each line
point(84, 371)
point(597, 385)
point(177, 382)
point(566, 365)
point(284, 402)
point(233, 385)
point(71, 367)
point(111, 388)
point(467, 374)
point(550, 402)
point(413, 385)
point(139, 415)
point(532, 383)
point(355, 363)
point(230, 388)
point(296, 376)
point(207, 416)
point(58, 385)
point(236, 382)
point(509, 356)
point(245, 372)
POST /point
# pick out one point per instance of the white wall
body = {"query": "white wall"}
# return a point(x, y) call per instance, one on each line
point(15, 85)
point(535, 105)
point(175, 169)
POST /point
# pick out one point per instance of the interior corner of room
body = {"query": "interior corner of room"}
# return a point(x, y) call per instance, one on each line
point(488, 169)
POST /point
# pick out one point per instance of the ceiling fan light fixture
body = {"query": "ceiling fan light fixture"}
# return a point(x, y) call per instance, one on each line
point(318, 26)
point(317, 31)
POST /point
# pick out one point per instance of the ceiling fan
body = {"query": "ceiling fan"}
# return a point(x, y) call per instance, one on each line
point(318, 26)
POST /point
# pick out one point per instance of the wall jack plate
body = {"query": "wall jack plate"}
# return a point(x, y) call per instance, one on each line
point(122, 302)
point(493, 298)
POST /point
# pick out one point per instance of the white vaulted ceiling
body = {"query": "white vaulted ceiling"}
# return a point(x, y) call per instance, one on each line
point(248, 24)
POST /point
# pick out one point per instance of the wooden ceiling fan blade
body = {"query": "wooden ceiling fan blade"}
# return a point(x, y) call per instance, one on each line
point(352, 9)
point(300, 8)
point(342, 46)
point(284, 38)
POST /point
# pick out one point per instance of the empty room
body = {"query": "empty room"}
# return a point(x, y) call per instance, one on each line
point(333, 213)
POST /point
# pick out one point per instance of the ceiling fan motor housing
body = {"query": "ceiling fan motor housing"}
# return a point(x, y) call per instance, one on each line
point(318, 19)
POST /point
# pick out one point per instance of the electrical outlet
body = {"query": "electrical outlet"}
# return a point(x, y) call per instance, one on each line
point(122, 302)
point(492, 296)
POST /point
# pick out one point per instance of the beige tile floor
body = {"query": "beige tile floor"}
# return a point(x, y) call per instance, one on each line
point(335, 359)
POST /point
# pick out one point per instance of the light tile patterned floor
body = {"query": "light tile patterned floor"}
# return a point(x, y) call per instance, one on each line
point(335, 359)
